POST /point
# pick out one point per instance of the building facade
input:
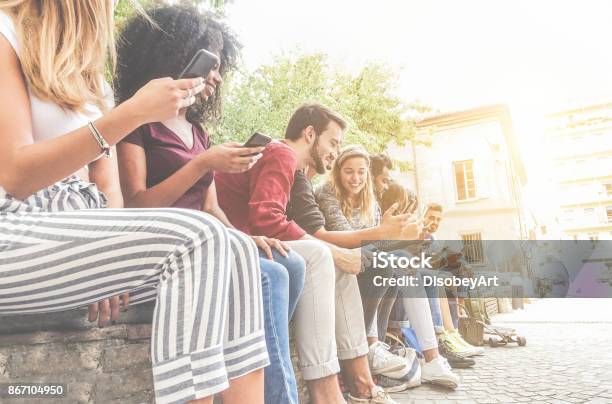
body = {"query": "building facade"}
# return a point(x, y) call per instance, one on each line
point(579, 144)
point(469, 163)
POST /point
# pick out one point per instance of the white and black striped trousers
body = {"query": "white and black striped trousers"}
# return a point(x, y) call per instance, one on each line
point(58, 253)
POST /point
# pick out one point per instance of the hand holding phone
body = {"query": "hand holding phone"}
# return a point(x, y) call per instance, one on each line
point(200, 65)
point(228, 157)
point(257, 140)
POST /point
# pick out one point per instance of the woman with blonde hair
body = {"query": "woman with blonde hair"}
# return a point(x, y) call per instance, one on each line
point(348, 203)
point(347, 200)
point(63, 241)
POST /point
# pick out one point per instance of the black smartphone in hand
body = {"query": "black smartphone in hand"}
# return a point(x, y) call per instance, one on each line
point(257, 140)
point(200, 65)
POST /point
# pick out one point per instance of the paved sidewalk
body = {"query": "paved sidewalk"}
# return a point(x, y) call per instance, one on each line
point(568, 359)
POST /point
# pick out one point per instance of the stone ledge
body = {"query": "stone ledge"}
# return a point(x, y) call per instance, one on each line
point(100, 365)
point(47, 337)
point(129, 332)
point(70, 320)
point(109, 368)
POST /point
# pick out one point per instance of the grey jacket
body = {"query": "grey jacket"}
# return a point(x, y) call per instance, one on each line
point(332, 210)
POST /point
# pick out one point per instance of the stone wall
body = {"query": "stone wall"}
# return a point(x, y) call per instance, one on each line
point(99, 365)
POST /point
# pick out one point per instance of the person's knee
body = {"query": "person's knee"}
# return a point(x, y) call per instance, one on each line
point(247, 242)
point(296, 269)
point(316, 254)
point(314, 245)
point(295, 262)
point(276, 275)
point(322, 252)
point(392, 292)
point(324, 266)
point(204, 224)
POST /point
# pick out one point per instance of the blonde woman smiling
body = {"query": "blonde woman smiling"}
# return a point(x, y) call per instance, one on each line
point(348, 203)
point(347, 200)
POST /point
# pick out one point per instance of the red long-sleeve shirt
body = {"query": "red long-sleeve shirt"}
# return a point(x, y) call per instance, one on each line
point(255, 201)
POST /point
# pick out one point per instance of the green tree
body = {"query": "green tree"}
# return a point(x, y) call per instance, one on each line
point(265, 99)
point(126, 8)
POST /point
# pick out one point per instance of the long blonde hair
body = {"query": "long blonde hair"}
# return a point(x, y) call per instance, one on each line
point(64, 47)
point(367, 200)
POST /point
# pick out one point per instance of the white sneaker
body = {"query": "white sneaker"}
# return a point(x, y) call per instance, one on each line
point(438, 371)
point(381, 360)
point(406, 378)
point(378, 396)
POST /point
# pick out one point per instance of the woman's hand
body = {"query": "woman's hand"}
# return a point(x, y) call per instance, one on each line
point(411, 231)
point(347, 260)
point(267, 243)
point(230, 157)
point(161, 99)
point(399, 227)
point(108, 307)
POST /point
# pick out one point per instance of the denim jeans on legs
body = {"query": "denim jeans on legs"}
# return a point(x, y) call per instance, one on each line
point(296, 268)
point(280, 280)
point(279, 378)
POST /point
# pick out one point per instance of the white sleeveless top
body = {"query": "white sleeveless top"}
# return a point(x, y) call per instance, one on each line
point(49, 119)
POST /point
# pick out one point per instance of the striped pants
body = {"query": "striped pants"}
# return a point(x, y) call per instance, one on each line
point(208, 320)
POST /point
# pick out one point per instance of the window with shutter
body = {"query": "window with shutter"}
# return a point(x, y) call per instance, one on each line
point(464, 179)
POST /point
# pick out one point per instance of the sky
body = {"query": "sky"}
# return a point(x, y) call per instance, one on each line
point(537, 56)
point(453, 54)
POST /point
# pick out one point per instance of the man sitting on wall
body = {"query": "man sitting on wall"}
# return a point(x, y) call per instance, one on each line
point(255, 202)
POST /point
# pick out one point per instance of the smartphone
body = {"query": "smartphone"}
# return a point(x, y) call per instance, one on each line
point(425, 223)
point(412, 205)
point(257, 140)
point(200, 65)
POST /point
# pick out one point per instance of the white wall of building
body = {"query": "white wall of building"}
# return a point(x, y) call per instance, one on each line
point(579, 142)
point(493, 212)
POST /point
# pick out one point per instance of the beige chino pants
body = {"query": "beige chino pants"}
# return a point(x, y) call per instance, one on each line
point(328, 319)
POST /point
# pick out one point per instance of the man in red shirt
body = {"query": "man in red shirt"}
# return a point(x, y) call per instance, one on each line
point(328, 320)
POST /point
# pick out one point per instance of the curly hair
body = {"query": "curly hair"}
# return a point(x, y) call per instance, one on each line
point(162, 42)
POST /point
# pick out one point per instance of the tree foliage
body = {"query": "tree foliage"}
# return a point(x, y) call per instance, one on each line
point(126, 8)
point(265, 99)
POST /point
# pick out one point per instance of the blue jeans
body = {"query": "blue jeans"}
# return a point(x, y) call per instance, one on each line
point(282, 281)
point(296, 269)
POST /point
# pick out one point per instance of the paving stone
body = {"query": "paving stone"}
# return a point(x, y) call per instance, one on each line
point(545, 370)
point(503, 399)
point(111, 365)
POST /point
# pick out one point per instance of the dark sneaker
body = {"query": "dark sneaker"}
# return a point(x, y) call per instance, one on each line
point(454, 360)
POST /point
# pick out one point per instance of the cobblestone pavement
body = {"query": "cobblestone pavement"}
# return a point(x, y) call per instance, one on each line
point(568, 359)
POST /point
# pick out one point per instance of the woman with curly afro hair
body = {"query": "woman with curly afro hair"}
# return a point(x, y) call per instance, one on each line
point(172, 164)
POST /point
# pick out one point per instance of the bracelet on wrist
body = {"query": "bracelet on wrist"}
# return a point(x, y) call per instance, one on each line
point(106, 148)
